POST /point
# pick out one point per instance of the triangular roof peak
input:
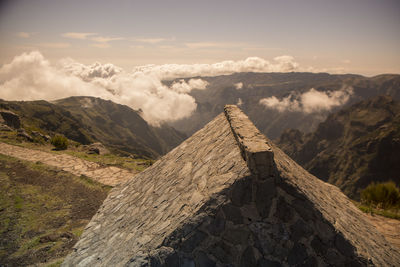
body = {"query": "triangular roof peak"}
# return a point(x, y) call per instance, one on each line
point(253, 145)
point(228, 196)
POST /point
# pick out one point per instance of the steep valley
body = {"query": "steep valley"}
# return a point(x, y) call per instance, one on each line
point(353, 147)
point(89, 119)
point(247, 89)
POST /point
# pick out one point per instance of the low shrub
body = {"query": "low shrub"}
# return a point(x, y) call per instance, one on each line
point(59, 142)
point(382, 195)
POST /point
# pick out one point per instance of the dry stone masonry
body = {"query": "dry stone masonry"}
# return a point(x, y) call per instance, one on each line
point(227, 196)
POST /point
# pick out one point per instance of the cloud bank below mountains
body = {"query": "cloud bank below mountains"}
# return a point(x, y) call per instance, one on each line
point(31, 77)
point(250, 64)
point(310, 101)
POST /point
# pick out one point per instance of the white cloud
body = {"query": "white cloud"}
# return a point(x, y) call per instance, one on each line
point(102, 39)
point(151, 40)
point(281, 105)
point(78, 35)
point(167, 47)
point(201, 45)
point(88, 72)
point(101, 45)
point(31, 77)
point(198, 84)
point(25, 34)
point(310, 101)
point(251, 64)
point(332, 70)
point(54, 45)
point(183, 87)
point(238, 86)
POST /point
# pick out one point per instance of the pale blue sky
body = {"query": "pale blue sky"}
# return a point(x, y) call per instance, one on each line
point(358, 36)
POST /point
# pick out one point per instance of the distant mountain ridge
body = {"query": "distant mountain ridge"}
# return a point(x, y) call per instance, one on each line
point(88, 119)
point(353, 147)
point(255, 86)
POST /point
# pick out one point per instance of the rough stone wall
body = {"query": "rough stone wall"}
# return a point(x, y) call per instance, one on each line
point(259, 225)
point(269, 219)
point(303, 191)
point(137, 216)
point(201, 205)
point(253, 145)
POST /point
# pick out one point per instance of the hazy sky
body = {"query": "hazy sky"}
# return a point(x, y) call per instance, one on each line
point(356, 36)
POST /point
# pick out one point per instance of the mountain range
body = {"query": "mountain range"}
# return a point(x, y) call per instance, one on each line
point(358, 145)
point(247, 89)
point(349, 145)
point(89, 119)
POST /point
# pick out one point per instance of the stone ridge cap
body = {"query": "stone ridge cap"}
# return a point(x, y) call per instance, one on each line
point(253, 145)
point(246, 133)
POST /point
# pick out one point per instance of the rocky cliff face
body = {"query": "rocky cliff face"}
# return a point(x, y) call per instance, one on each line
point(229, 196)
point(353, 147)
point(10, 119)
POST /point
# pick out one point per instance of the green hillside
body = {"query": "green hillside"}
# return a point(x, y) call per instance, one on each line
point(88, 119)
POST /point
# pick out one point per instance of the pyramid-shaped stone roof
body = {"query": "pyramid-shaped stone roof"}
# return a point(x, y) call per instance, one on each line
point(227, 196)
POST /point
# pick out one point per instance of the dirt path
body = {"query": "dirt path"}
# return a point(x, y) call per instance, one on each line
point(390, 228)
point(105, 175)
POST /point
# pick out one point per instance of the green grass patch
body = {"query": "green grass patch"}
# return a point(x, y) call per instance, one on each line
point(382, 199)
point(56, 263)
point(59, 142)
point(90, 183)
point(382, 195)
point(388, 213)
point(18, 202)
point(133, 164)
point(77, 232)
point(43, 211)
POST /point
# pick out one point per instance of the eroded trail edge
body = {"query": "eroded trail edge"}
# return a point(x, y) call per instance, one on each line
point(106, 175)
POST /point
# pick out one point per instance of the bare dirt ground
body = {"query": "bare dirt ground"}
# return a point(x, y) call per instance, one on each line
point(390, 228)
point(106, 175)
